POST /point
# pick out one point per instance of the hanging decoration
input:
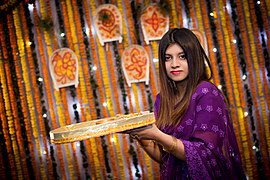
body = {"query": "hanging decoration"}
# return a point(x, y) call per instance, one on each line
point(108, 23)
point(64, 68)
point(135, 64)
point(154, 22)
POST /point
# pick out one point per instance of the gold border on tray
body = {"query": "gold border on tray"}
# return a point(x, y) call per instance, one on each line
point(86, 130)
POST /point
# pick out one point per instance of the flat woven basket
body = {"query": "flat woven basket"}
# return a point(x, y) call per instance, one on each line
point(101, 127)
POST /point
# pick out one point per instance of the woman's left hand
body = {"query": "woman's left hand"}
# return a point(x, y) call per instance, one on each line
point(145, 133)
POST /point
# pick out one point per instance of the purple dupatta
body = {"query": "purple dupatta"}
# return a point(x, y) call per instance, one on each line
point(208, 137)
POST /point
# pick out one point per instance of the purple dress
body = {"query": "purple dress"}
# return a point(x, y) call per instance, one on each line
point(208, 137)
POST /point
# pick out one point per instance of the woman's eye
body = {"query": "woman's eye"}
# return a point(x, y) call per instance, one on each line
point(167, 58)
point(182, 56)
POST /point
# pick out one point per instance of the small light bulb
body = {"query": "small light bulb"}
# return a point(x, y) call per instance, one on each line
point(112, 139)
point(155, 60)
point(219, 86)
point(62, 34)
point(30, 7)
point(215, 49)
point(104, 104)
point(94, 68)
point(40, 79)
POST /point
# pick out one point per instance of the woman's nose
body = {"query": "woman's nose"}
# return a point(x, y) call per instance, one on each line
point(175, 63)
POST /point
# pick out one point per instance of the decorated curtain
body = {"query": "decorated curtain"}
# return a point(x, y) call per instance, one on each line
point(237, 36)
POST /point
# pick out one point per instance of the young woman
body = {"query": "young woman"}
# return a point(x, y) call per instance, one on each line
point(193, 137)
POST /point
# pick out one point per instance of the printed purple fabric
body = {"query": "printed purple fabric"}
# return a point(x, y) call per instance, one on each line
point(208, 137)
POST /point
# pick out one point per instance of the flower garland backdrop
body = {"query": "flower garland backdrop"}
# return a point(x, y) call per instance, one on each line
point(237, 35)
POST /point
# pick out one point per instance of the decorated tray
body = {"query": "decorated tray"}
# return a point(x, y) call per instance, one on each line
point(101, 127)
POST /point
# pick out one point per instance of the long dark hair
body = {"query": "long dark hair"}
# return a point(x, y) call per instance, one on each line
point(198, 65)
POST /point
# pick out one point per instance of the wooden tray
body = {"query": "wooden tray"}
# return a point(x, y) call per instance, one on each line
point(101, 127)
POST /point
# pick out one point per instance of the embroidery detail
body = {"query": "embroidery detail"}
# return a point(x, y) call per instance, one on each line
point(219, 110)
point(215, 92)
point(198, 108)
point(189, 122)
point(211, 145)
point(225, 119)
point(221, 133)
point(209, 108)
point(205, 90)
point(204, 153)
point(215, 128)
point(181, 128)
point(204, 126)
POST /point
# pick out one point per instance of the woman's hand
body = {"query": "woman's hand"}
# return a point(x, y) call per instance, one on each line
point(145, 133)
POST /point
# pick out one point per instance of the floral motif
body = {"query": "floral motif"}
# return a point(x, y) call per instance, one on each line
point(205, 90)
point(155, 21)
point(209, 108)
point(137, 64)
point(64, 67)
point(215, 128)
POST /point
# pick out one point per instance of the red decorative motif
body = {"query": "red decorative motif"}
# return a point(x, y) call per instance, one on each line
point(138, 62)
point(64, 68)
point(135, 64)
point(108, 23)
point(154, 23)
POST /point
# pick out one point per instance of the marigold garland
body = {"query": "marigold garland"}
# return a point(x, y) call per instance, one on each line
point(173, 15)
point(90, 81)
point(3, 160)
point(46, 82)
point(235, 77)
point(192, 15)
point(260, 71)
point(5, 112)
point(98, 80)
point(130, 37)
point(154, 49)
point(14, 96)
point(29, 97)
point(105, 82)
point(251, 59)
point(179, 13)
point(210, 44)
point(36, 92)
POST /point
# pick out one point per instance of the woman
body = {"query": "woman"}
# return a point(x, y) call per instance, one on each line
point(193, 137)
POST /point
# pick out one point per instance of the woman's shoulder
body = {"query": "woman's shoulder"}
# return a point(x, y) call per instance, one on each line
point(207, 88)
point(204, 85)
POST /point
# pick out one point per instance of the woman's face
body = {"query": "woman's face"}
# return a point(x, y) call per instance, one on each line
point(176, 63)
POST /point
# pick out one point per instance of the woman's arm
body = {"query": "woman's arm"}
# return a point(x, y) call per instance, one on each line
point(151, 138)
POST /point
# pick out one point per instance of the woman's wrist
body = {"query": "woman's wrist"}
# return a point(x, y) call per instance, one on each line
point(172, 146)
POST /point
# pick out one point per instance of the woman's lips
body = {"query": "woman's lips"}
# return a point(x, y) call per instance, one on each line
point(176, 72)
